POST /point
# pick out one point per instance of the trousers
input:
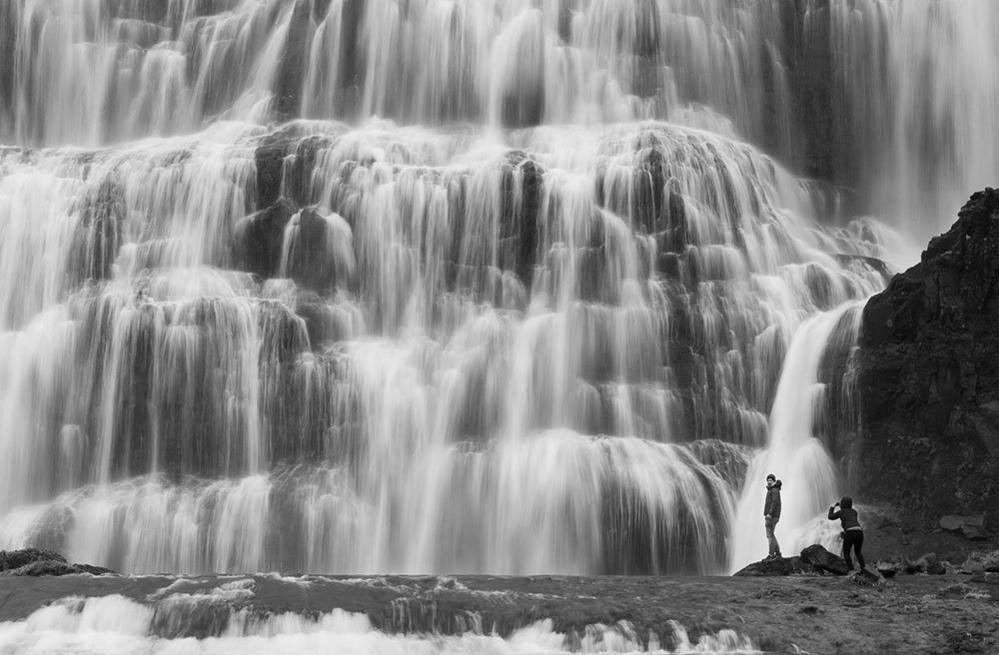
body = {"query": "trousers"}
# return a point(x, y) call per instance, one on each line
point(853, 539)
point(771, 539)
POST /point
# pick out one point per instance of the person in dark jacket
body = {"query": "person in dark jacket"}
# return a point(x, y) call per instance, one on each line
point(853, 534)
point(771, 514)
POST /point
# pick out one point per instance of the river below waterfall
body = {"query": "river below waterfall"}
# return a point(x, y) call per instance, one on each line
point(480, 286)
point(386, 615)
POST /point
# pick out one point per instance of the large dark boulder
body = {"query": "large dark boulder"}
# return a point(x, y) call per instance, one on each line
point(929, 378)
point(822, 559)
point(37, 562)
point(15, 559)
point(777, 567)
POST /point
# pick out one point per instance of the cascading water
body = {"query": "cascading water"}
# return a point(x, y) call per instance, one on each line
point(502, 286)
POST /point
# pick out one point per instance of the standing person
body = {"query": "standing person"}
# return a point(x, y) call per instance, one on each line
point(853, 534)
point(771, 514)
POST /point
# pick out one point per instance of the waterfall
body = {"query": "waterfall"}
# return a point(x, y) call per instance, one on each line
point(484, 286)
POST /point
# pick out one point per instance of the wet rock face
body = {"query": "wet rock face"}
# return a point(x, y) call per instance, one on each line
point(36, 562)
point(15, 559)
point(929, 379)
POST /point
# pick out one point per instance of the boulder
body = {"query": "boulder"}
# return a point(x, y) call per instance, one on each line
point(15, 559)
point(928, 563)
point(979, 562)
point(888, 569)
point(259, 238)
point(778, 567)
point(93, 570)
point(929, 380)
point(971, 527)
point(821, 558)
point(40, 568)
point(38, 562)
point(54, 567)
point(865, 578)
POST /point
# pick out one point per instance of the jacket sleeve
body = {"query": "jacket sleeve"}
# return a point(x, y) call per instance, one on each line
point(768, 503)
point(833, 513)
point(776, 507)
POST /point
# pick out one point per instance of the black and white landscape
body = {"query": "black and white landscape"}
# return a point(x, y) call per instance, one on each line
point(380, 326)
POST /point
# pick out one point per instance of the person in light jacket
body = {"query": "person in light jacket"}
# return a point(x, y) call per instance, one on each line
point(853, 534)
point(771, 514)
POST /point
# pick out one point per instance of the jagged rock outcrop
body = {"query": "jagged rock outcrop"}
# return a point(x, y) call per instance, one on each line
point(929, 379)
point(37, 562)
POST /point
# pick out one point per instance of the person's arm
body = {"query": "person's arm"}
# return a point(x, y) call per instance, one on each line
point(776, 509)
point(833, 513)
point(768, 505)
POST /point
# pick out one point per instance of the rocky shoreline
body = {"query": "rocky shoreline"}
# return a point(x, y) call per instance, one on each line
point(813, 614)
point(801, 613)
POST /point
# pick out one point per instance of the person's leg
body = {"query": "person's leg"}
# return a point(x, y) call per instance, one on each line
point(771, 539)
point(858, 543)
point(847, 544)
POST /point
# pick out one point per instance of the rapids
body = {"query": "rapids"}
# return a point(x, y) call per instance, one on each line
point(116, 625)
point(467, 286)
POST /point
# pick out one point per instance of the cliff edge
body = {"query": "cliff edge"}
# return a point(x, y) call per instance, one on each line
point(929, 380)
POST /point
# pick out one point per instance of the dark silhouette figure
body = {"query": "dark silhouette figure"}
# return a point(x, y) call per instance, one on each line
point(853, 534)
point(771, 514)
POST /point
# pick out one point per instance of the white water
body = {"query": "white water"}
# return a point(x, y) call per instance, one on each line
point(794, 453)
point(527, 287)
point(114, 625)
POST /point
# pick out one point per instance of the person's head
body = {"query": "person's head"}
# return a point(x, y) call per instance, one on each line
point(846, 502)
point(771, 478)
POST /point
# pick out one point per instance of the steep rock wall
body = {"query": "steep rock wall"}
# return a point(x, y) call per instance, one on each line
point(929, 380)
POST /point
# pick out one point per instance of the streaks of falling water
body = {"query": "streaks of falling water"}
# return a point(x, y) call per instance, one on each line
point(540, 331)
point(483, 360)
point(794, 452)
point(858, 93)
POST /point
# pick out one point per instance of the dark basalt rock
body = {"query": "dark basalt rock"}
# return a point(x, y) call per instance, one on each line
point(929, 378)
point(37, 562)
point(778, 567)
point(15, 559)
point(822, 559)
point(310, 262)
point(523, 183)
point(259, 238)
point(41, 567)
point(269, 158)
